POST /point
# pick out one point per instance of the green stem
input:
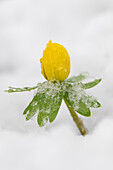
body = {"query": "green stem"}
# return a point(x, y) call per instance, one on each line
point(77, 120)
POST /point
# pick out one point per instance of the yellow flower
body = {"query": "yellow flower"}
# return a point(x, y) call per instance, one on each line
point(55, 63)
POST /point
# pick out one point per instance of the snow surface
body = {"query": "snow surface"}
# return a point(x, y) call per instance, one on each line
point(85, 28)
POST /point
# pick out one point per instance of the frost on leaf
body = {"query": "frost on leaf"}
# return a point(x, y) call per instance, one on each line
point(91, 84)
point(46, 102)
point(78, 78)
point(77, 98)
point(13, 89)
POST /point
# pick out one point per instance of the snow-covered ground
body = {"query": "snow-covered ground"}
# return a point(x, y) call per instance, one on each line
point(85, 28)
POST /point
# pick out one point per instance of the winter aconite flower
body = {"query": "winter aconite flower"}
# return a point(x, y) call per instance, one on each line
point(55, 63)
point(55, 67)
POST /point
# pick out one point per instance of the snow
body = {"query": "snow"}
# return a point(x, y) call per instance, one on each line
point(85, 28)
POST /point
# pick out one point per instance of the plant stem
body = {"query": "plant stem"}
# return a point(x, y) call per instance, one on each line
point(77, 120)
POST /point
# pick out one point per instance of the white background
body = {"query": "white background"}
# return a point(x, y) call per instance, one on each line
point(85, 28)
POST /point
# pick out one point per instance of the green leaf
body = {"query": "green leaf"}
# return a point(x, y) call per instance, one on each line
point(78, 78)
point(91, 84)
point(83, 109)
point(46, 102)
point(74, 97)
point(13, 89)
point(95, 104)
point(42, 119)
point(91, 101)
point(31, 108)
point(55, 105)
point(49, 106)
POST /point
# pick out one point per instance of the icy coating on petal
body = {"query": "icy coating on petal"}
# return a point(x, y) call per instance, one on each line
point(55, 63)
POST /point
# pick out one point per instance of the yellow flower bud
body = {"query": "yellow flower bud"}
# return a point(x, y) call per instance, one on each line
point(55, 63)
